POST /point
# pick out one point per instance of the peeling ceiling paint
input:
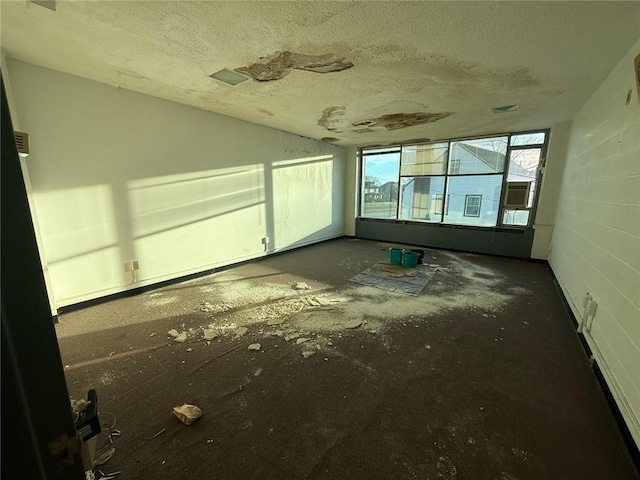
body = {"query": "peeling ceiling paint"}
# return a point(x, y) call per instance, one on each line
point(395, 121)
point(281, 63)
point(322, 66)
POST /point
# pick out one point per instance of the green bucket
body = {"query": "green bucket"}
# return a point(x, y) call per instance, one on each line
point(395, 256)
point(410, 259)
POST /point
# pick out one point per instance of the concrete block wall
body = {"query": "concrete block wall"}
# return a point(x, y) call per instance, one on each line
point(596, 238)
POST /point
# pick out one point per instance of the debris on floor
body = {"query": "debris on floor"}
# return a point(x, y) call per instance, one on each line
point(105, 457)
point(181, 338)
point(275, 321)
point(301, 286)
point(187, 413)
point(241, 331)
point(353, 324)
point(108, 476)
point(308, 353)
point(209, 334)
point(254, 346)
point(302, 340)
point(173, 332)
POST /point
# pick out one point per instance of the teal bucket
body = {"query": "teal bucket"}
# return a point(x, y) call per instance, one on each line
point(395, 256)
point(410, 259)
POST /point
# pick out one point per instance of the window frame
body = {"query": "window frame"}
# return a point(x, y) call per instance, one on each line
point(468, 197)
point(444, 197)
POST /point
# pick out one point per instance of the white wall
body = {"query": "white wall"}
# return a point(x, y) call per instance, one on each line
point(549, 190)
point(596, 238)
point(351, 185)
point(119, 176)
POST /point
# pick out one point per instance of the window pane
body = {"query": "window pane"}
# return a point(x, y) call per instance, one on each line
point(422, 198)
point(523, 165)
point(485, 155)
point(515, 217)
point(528, 139)
point(368, 151)
point(380, 185)
point(473, 200)
point(424, 159)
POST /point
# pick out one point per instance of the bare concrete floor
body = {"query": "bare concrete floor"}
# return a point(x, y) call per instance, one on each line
point(479, 377)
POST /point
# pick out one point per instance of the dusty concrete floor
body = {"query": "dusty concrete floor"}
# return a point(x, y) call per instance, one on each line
point(479, 377)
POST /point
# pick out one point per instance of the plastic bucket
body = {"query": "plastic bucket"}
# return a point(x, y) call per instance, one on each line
point(395, 256)
point(420, 255)
point(410, 259)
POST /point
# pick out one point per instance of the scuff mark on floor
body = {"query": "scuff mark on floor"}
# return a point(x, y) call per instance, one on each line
point(280, 64)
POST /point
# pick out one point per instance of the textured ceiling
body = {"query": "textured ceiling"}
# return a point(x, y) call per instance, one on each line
point(400, 71)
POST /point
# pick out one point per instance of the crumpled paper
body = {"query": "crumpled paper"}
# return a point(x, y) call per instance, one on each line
point(187, 413)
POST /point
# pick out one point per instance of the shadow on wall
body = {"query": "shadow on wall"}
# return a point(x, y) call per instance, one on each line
point(182, 223)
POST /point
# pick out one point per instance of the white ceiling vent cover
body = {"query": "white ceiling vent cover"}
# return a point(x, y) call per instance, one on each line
point(22, 142)
point(517, 194)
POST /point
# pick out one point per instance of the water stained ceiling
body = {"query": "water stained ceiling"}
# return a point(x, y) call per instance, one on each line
point(352, 73)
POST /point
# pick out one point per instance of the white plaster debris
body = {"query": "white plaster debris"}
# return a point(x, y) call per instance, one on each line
point(302, 340)
point(173, 332)
point(208, 307)
point(189, 349)
point(209, 334)
point(296, 315)
point(258, 372)
point(181, 338)
point(308, 353)
point(353, 324)
point(254, 346)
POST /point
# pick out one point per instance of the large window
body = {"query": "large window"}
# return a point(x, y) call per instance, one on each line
point(463, 182)
point(381, 168)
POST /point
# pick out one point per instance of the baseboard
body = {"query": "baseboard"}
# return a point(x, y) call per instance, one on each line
point(601, 377)
point(131, 292)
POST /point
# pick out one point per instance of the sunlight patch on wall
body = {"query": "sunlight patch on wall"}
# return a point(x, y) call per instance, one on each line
point(302, 199)
point(211, 215)
point(80, 238)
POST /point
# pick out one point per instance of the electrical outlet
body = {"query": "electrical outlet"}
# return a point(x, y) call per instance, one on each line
point(265, 240)
point(135, 265)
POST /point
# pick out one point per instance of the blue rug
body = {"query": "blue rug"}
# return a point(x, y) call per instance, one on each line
point(395, 278)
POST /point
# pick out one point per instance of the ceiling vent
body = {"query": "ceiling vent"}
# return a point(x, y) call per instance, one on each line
point(48, 4)
point(22, 142)
point(364, 130)
point(229, 77)
point(517, 194)
point(505, 109)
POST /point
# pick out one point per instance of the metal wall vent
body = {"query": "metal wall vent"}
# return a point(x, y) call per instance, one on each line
point(22, 142)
